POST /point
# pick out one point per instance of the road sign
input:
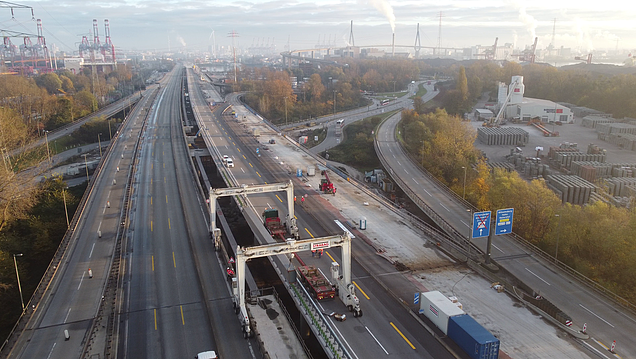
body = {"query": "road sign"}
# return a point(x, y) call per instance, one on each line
point(416, 298)
point(503, 222)
point(320, 245)
point(481, 224)
point(257, 150)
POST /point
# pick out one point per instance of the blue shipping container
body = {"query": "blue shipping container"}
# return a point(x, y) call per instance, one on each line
point(476, 341)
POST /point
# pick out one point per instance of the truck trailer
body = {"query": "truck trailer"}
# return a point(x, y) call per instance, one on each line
point(474, 339)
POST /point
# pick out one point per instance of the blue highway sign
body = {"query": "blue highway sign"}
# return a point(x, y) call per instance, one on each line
point(503, 223)
point(416, 298)
point(481, 224)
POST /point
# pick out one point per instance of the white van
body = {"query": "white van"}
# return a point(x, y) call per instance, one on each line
point(207, 355)
point(229, 163)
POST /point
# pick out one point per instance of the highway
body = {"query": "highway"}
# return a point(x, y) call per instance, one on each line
point(386, 327)
point(72, 297)
point(605, 320)
point(173, 309)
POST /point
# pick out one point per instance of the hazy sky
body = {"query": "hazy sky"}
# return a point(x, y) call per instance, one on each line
point(160, 24)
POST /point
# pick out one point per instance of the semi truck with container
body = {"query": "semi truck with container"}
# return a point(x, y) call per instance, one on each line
point(469, 335)
point(316, 283)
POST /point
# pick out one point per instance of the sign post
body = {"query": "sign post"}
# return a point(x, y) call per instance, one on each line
point(504, 221)
point(481, 224)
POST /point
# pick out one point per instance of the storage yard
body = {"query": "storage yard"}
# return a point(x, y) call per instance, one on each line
point(586, 158)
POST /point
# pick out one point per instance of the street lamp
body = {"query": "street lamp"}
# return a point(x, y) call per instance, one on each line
point(556, 253)
point(86, 165)
point(99, 143)
point(285, 110)
point(470, 230)
point(464, 195)
point(334, 104)
point(17, 274)
point(46, 139)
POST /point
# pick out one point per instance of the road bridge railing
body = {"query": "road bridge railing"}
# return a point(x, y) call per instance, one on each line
point(33, 305)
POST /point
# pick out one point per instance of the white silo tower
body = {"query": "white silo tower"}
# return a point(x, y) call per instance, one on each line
point(516, 89)
point(502, 94)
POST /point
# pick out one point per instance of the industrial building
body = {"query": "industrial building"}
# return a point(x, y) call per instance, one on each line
point(516, 106)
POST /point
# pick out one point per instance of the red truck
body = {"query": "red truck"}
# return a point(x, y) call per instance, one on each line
point(273, 224)
point(316, 283)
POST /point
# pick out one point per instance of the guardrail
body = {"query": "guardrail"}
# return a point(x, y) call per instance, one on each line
point(315, 316)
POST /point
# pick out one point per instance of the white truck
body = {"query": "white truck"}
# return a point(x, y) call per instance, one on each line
point(207, 355)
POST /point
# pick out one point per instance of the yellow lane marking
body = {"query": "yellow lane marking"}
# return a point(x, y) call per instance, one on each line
point(155, 310)
point(174, 260)
point(163, 153)
point(360, 289)
point(182, 319)
point(251, 165)
point(164, 180)
point(402, 335)
point(233, 143)
point(244, 157)
point(150, 200)
point(333, 260)
point(312, 236)
point(153, 153)
point(258, 174)
point(281, 201)
point(153, 262)
point(169, 227)
point(151, 181)
point(166, 198)
point(164, 165)
point(150, 226)
point(238, 149)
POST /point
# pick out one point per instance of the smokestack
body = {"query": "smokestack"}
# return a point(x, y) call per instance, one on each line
point(393, 46)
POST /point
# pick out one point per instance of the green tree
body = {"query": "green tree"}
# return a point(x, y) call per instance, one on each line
point(67, 84)
point(51, 82)
point(462, 85)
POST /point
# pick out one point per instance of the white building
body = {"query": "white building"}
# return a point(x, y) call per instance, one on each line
point(526, 108)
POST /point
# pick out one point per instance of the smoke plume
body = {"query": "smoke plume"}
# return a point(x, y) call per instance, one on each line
point(180, 39)
point(386, 9)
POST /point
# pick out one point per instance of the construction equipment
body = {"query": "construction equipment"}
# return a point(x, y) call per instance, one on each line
point(326, 186)
point(495, 121)
point(273, 224)
point(316, 283)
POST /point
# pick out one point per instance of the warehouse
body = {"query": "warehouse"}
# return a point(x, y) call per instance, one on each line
point(525, 108)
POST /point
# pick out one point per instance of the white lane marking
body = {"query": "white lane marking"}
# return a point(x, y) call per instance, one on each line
point(376, 340)
point(427, 192)
point(51, 352)
point(399, 163)
point(242, 170)
point(499, 249)
point(100, 226)
point(441, 204)
point(81, 280)
point(596, 350)
point(69, 312)
point(534, 274)
point(465, 224)
point(393, 155)
point(407, 172)
point(414, 180)
point(91, 253)
point(338, 330)
point(596, 315)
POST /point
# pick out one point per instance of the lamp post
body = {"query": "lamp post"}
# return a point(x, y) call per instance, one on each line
point(65, 208)
point(86, 165)
point(470, 230)
point(17, 274)
point(46, 139)
point(334, 104)
point(464, 195)
point(285, 110)
point(99, 143)
point(556, 252)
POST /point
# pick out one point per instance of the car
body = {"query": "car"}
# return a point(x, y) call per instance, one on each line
point(229, 163)
point(225, 158)
point(272, 141)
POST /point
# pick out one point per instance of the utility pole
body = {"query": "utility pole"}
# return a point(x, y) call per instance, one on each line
point(285, 110)
point(233, 34)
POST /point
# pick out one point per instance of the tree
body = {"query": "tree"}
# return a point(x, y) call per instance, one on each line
point(16, 190)
point(85, 103)
point(462, 85)
point(315, 88)
point(51, 82)
point(67, 84)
